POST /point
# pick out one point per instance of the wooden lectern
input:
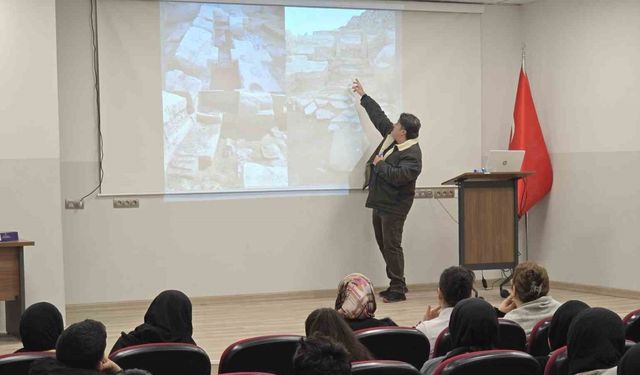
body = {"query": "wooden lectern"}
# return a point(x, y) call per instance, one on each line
point(12, 282)
point(488, 219)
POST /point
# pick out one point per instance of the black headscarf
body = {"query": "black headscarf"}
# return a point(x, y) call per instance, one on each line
point(40, 326)
point(473, 326)
point(168, 319)
point(630, 362)
point(561, 320)
point(595, 340)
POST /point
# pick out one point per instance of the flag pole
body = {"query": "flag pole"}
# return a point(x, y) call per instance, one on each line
point(526, 236)
point(524, 53)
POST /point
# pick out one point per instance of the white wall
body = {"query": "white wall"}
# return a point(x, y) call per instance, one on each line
point(30, 143)
point(582, 62)
point(219, 247)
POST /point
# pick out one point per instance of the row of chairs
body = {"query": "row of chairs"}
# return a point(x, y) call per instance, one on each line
point(274, 353)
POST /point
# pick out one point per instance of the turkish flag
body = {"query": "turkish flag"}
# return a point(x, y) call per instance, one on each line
point(527, 135)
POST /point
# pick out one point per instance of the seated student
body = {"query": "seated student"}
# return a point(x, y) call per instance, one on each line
point(328, 323)
point(559, 326)
point(318, 355)
point(80, 351)
point(40, 326)
point(595, 342)
point(529, 302)
point(456, 284)
point(473, 327)
point(356, 302)
point(168, 319)
point(630, 362)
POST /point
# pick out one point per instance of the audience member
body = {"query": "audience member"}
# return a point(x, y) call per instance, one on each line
point(630, 362)
point(328, 323)
point(80, 351)
point(529, 302)
point(456, 284)
point(168, 319)
point(40, 326)
point(318, 355)
point(595, 342)
point(561, 321)
point(473, 327)
point(356, 303)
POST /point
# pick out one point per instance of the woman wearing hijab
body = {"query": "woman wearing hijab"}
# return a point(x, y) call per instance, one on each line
point(328, 323)
point(40, 326)
point(595, 342)
point(473, 327)
point(630, 362)
point(559, 326)
point(356, 302)
point(168, 319)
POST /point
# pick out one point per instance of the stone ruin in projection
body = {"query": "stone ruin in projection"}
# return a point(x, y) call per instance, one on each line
point(246, 106)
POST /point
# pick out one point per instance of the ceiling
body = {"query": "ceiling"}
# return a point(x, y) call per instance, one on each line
point(488, 2)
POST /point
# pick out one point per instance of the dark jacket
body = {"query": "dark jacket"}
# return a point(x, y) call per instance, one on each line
point(370, 323)
point(391, 182)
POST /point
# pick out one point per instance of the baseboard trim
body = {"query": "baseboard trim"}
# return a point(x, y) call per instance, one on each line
point(595, 289)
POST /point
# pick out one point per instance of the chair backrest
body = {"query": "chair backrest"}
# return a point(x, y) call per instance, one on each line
point(511, 336)
point(538, 342)
point(164, 359)
point(632, 325)
point(19, 363)
point(442, 345)
point(378, 367)
point(494, 362)
point(557, 363)
point(265, 353)
point(396, 343)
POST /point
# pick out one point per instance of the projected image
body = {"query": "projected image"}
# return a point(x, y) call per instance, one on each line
point(257, 97)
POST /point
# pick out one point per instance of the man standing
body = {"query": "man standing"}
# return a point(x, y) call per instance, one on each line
point(391, 175)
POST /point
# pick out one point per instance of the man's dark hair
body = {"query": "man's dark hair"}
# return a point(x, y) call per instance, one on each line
point(82, 344)
point(456, 284)
point(318, 355)
point(411, 124)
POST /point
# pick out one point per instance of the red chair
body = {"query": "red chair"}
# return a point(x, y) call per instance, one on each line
point(164, 359)
point(557, 363)
point(19, 363)
point(442, 345)
point(396, 343)
point(538, 342)
point(494, 362)
point(511, 336)
point(632, 325)
point(383, 368)
point(265, 353)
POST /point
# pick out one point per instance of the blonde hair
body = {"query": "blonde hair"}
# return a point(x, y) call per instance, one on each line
point(530, 281)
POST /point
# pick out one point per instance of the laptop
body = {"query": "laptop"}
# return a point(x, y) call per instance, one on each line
point(504, 161)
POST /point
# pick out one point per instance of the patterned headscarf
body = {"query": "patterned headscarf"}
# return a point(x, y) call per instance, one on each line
point(356, 297)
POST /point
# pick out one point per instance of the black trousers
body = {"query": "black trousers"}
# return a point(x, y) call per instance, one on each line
point(388, 229)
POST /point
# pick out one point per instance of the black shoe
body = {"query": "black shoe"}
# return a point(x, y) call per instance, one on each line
point(394, 297)
point(386, 291)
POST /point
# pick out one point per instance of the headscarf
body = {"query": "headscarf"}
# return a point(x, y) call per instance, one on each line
point(168, 319)
point(630, 362)
point(356, 297)
point(595, 340)
point(473, 326)
point(40, 326)
point(561, 320)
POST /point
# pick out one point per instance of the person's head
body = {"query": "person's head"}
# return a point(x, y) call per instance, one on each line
point(530, 282)
point(559, 326)
point(630, 362)
point(171, 312)
point(356, 297)
point(407, 127)
point(40, 326)
point(473, 325)
point(456, 284)
point(82, 344)
point(318, 355)
point(327, 322)
point(595, 340)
